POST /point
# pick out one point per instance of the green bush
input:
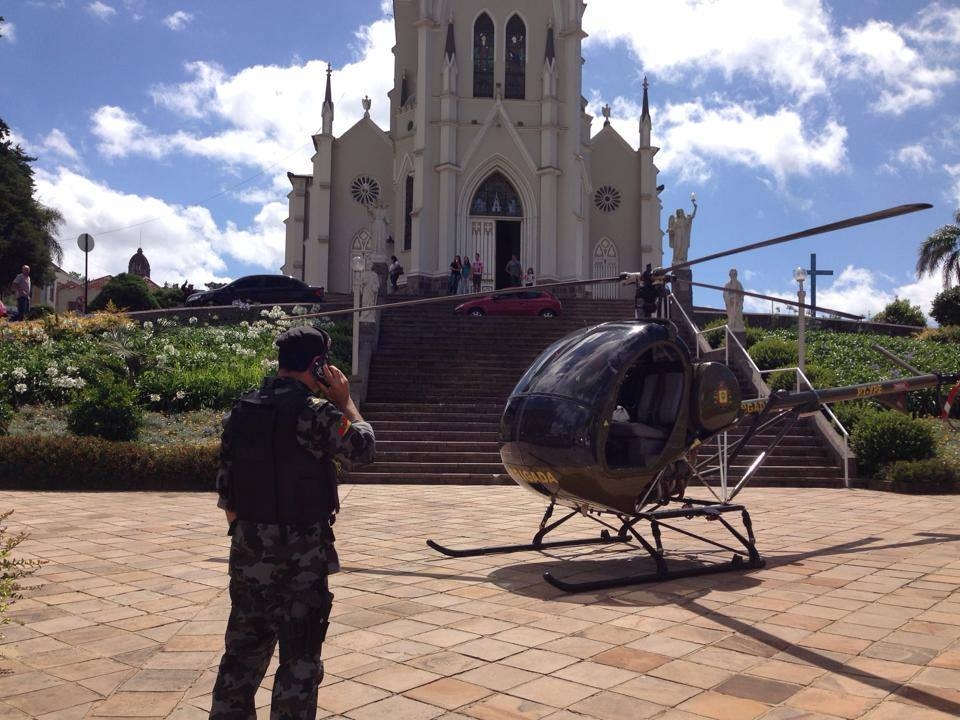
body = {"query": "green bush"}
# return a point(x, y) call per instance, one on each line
point(774, 352)
point(169, 297)
point(64, 462)
point(819, 377)
point(851, 412)
point(946, 307)
point(38, 312)
point(107, 410)
point(752, 335)
point(946, 335)
point(126, 292)
point(901, 312)
point(888, 436)
point(922, 476)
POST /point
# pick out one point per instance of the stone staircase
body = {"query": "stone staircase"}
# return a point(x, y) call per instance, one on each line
point(439, 382)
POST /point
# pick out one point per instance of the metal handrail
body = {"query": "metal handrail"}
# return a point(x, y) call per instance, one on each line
point(834, 420)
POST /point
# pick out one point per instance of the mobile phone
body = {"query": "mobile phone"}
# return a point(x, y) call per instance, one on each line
point(318, 372)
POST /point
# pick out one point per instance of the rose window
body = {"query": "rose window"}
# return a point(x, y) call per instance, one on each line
point(607, 198)
point(365, 190)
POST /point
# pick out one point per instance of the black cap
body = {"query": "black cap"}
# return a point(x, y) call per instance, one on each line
point(300, 345)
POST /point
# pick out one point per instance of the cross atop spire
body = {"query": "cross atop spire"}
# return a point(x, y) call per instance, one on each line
point(328, 96)
point(646, 100)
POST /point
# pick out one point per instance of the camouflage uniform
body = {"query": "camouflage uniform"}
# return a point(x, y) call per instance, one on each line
point(278, 579)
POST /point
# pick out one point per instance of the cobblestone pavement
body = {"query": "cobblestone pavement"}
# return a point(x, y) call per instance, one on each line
point(857, 614)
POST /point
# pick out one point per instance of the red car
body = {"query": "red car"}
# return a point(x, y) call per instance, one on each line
point(521, 302)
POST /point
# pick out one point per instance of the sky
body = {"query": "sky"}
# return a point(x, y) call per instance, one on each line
point(171, 125)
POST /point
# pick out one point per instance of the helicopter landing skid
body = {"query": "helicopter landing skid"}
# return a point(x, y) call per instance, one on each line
point(691, 509)
point(537, 542)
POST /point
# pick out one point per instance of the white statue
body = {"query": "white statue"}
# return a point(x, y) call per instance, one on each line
point(733, 300)
point(378, 229)
point(369, 290)
point(679, 228)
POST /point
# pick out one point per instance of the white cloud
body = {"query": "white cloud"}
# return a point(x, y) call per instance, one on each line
point(178, 20)
point(915, 157)
point(8, 31)
point(701, 133)
point(786, 43)
point(954, 192)
point(938, 26)
point(878, 51)
point(101, 10)
point(186, 242)
point(121, 134)
point(58, 143)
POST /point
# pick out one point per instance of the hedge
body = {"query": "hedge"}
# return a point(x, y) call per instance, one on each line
point(39, 462)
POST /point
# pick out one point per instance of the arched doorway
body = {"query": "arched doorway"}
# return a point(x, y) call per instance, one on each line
point(496, 223)
point(360, 245)
point(606, 263)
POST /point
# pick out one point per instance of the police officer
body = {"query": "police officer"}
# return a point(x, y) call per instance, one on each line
point(278, 485)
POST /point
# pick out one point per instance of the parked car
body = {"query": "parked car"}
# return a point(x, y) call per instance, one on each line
point(521, 302)
point(254, 289)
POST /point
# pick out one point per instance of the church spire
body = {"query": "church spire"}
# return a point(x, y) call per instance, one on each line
point(450, 49)
point(645, 123)
point(327, 112)
point(551, 47)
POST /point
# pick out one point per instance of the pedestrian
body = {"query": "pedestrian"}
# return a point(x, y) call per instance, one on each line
point(454, 281)
point(22, 287)
point(277, 483)
point(530, 279)
point(465, 275)
point(394, 271)
point(477, 270)
point(514, 271)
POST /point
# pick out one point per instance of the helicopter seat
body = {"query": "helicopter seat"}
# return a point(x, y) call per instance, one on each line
point(651, 421)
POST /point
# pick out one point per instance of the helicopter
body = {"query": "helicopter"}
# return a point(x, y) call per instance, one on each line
point(612, 423)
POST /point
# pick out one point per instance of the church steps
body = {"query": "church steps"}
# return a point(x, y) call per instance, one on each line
point(438, 384)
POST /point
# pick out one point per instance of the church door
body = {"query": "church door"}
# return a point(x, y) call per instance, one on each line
point(496, 222)
point(508, 244)
point(606, 263)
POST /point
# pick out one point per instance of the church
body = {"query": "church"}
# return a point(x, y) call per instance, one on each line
point(489, 151)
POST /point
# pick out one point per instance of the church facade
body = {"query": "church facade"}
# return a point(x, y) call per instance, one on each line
point(489, 151)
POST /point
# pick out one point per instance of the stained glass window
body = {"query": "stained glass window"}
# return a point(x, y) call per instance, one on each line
point(516, 72)
point(483, 56)
point(496, 197)
point(408, 213)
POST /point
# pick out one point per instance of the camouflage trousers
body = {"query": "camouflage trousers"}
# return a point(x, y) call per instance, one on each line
point(279, 594)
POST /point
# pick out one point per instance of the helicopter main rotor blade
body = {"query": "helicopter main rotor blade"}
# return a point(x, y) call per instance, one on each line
point(783, 301)
point(839, 225)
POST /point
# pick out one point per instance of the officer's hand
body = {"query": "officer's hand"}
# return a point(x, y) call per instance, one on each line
point(337, 388)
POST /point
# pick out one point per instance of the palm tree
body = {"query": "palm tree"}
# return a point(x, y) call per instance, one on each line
point(941, 251)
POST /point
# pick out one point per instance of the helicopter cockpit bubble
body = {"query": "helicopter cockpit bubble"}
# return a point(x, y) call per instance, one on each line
point(558, 433)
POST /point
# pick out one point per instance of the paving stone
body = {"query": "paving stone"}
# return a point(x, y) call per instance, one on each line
point(133, 608)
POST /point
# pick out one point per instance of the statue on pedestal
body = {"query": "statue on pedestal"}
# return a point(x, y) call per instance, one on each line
point(679, 228)
point(733, 300)
point(369, 290)
point(379, 229)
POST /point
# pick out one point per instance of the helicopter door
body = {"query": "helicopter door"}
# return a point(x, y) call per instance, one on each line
point(639, 432)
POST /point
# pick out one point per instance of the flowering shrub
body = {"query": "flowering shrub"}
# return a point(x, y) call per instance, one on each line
point(171, 365)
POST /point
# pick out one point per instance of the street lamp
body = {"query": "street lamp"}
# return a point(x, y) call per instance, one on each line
point(800, 275)
point(356, 265)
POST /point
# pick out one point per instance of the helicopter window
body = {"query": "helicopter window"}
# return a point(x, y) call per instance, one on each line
point(647, 407)
point(585, 372)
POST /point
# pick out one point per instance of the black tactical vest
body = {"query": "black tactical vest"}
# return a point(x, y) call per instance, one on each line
point(274, 479)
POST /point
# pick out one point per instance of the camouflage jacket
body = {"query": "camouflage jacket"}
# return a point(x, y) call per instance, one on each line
point(321, 429)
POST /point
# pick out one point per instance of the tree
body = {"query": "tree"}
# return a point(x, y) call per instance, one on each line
point(901, 312)
point(946, 307)
point(941, 251)
point(27, 227)
point(127, 292)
